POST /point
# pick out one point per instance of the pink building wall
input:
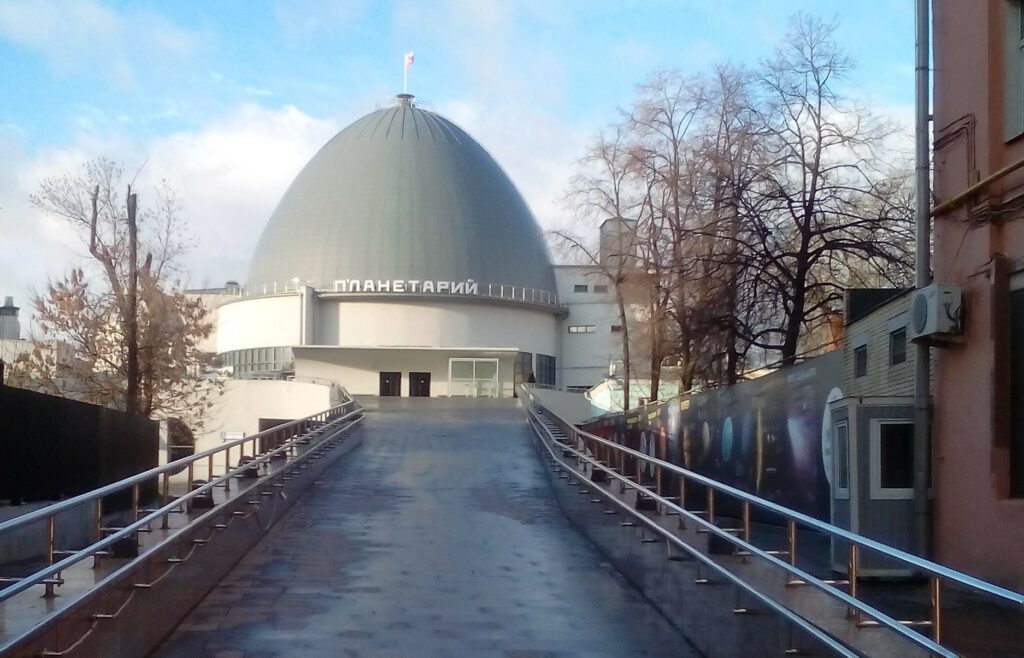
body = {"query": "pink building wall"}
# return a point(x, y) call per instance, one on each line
point(978, 527)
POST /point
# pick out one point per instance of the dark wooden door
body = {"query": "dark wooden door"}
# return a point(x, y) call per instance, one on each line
point(390, 384)
point(419, 384)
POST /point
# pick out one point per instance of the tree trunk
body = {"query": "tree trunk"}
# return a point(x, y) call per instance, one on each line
point(625, 347)
point(132, 320)
point(795, 320)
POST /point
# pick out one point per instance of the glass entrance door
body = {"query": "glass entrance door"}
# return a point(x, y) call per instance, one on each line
point(473, 378)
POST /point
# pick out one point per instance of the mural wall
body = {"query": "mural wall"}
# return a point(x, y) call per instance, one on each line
point(770, 436)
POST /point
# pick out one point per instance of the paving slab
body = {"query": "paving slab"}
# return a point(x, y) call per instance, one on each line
point(438, 537)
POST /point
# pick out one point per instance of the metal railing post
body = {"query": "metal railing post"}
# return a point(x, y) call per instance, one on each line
point(227, 466)
point(936, 596)
point(711, 505)
point(682, 502)
point(746, 521)
point(657, 487)
point(98, 527)
point(51, 535)
point(851, 574)
point(791, 546)
point(165, 522)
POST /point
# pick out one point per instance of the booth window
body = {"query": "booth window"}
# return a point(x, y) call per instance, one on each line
point(892, 459)
point(860, 361)
point(841, 468)
point(897, 346)
point(616, 328)
point(599, 288)
point(580, 287)
point(581, 329)
point(1017, 393)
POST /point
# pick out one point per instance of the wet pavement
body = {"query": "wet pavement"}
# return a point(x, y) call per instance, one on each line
point(438, 537)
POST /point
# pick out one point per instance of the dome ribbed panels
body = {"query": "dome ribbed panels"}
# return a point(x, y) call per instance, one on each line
point(402, 194)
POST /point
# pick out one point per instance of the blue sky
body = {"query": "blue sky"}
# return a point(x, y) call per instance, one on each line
point(228, 99)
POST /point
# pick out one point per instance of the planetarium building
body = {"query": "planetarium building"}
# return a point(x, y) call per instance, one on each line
point(403, 261)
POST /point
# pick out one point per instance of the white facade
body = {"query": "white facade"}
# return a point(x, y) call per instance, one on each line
point(237, 413)
point(350, 339)
point(590, 335)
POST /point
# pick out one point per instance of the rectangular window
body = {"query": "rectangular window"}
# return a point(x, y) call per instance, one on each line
point(580, 287)
point(545, 369)
point(1017, 393)
point(860, 361)
point(616, 328)
point(841, 468)
point(600, 288)
point(1013, 71)
point(897, 346)
point(896, 455)
point(581, 329)
point(892, 459)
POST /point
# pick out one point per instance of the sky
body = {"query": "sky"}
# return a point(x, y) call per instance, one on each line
point(228, 100)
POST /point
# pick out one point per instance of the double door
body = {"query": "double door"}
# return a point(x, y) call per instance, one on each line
point(391, 384)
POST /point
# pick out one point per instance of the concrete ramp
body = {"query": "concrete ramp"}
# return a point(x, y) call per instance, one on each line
point(439, 536)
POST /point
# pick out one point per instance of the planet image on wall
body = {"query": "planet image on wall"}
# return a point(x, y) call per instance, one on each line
point(705, 441)
point(727, 438)
point(801, 444)
point(745, 448)
point(827, 440)
point(648, 447)
point(673, 449)
point(688, 447)
point(672, 412)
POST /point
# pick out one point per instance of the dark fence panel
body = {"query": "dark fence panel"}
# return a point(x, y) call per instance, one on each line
point(53, 448)
point(764, 436)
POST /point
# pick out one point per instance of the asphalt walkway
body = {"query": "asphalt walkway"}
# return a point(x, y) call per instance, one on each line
point(438, 537)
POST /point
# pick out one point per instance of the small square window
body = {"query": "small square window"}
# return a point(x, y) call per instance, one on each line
point(600, 288)
point(616, 328)
point(580, 287)
point(860, 361)
point(897, 346)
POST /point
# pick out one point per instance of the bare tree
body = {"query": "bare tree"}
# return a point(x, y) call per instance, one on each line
point(602, 192)
point(758, 196)
point(132, 339)
point(827, 199)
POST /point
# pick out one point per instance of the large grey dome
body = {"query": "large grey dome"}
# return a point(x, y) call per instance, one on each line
point(402, 194)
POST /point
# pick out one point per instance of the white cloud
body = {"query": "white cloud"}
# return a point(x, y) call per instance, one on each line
point(77, 36)
point(299, 19)
point(229, 174)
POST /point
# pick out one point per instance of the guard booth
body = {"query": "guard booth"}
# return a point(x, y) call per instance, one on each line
point(872, 479)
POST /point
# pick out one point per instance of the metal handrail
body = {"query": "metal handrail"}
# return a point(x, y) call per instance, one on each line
point(96, 496)
point(937, 571)
point(777, 607)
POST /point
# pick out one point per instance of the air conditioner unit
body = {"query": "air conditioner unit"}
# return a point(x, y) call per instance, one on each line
point(936, 313)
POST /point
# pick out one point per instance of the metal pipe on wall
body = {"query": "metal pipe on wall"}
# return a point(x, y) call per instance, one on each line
point(922, 217)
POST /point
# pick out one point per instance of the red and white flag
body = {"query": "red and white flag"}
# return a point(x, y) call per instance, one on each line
point(409, 59)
